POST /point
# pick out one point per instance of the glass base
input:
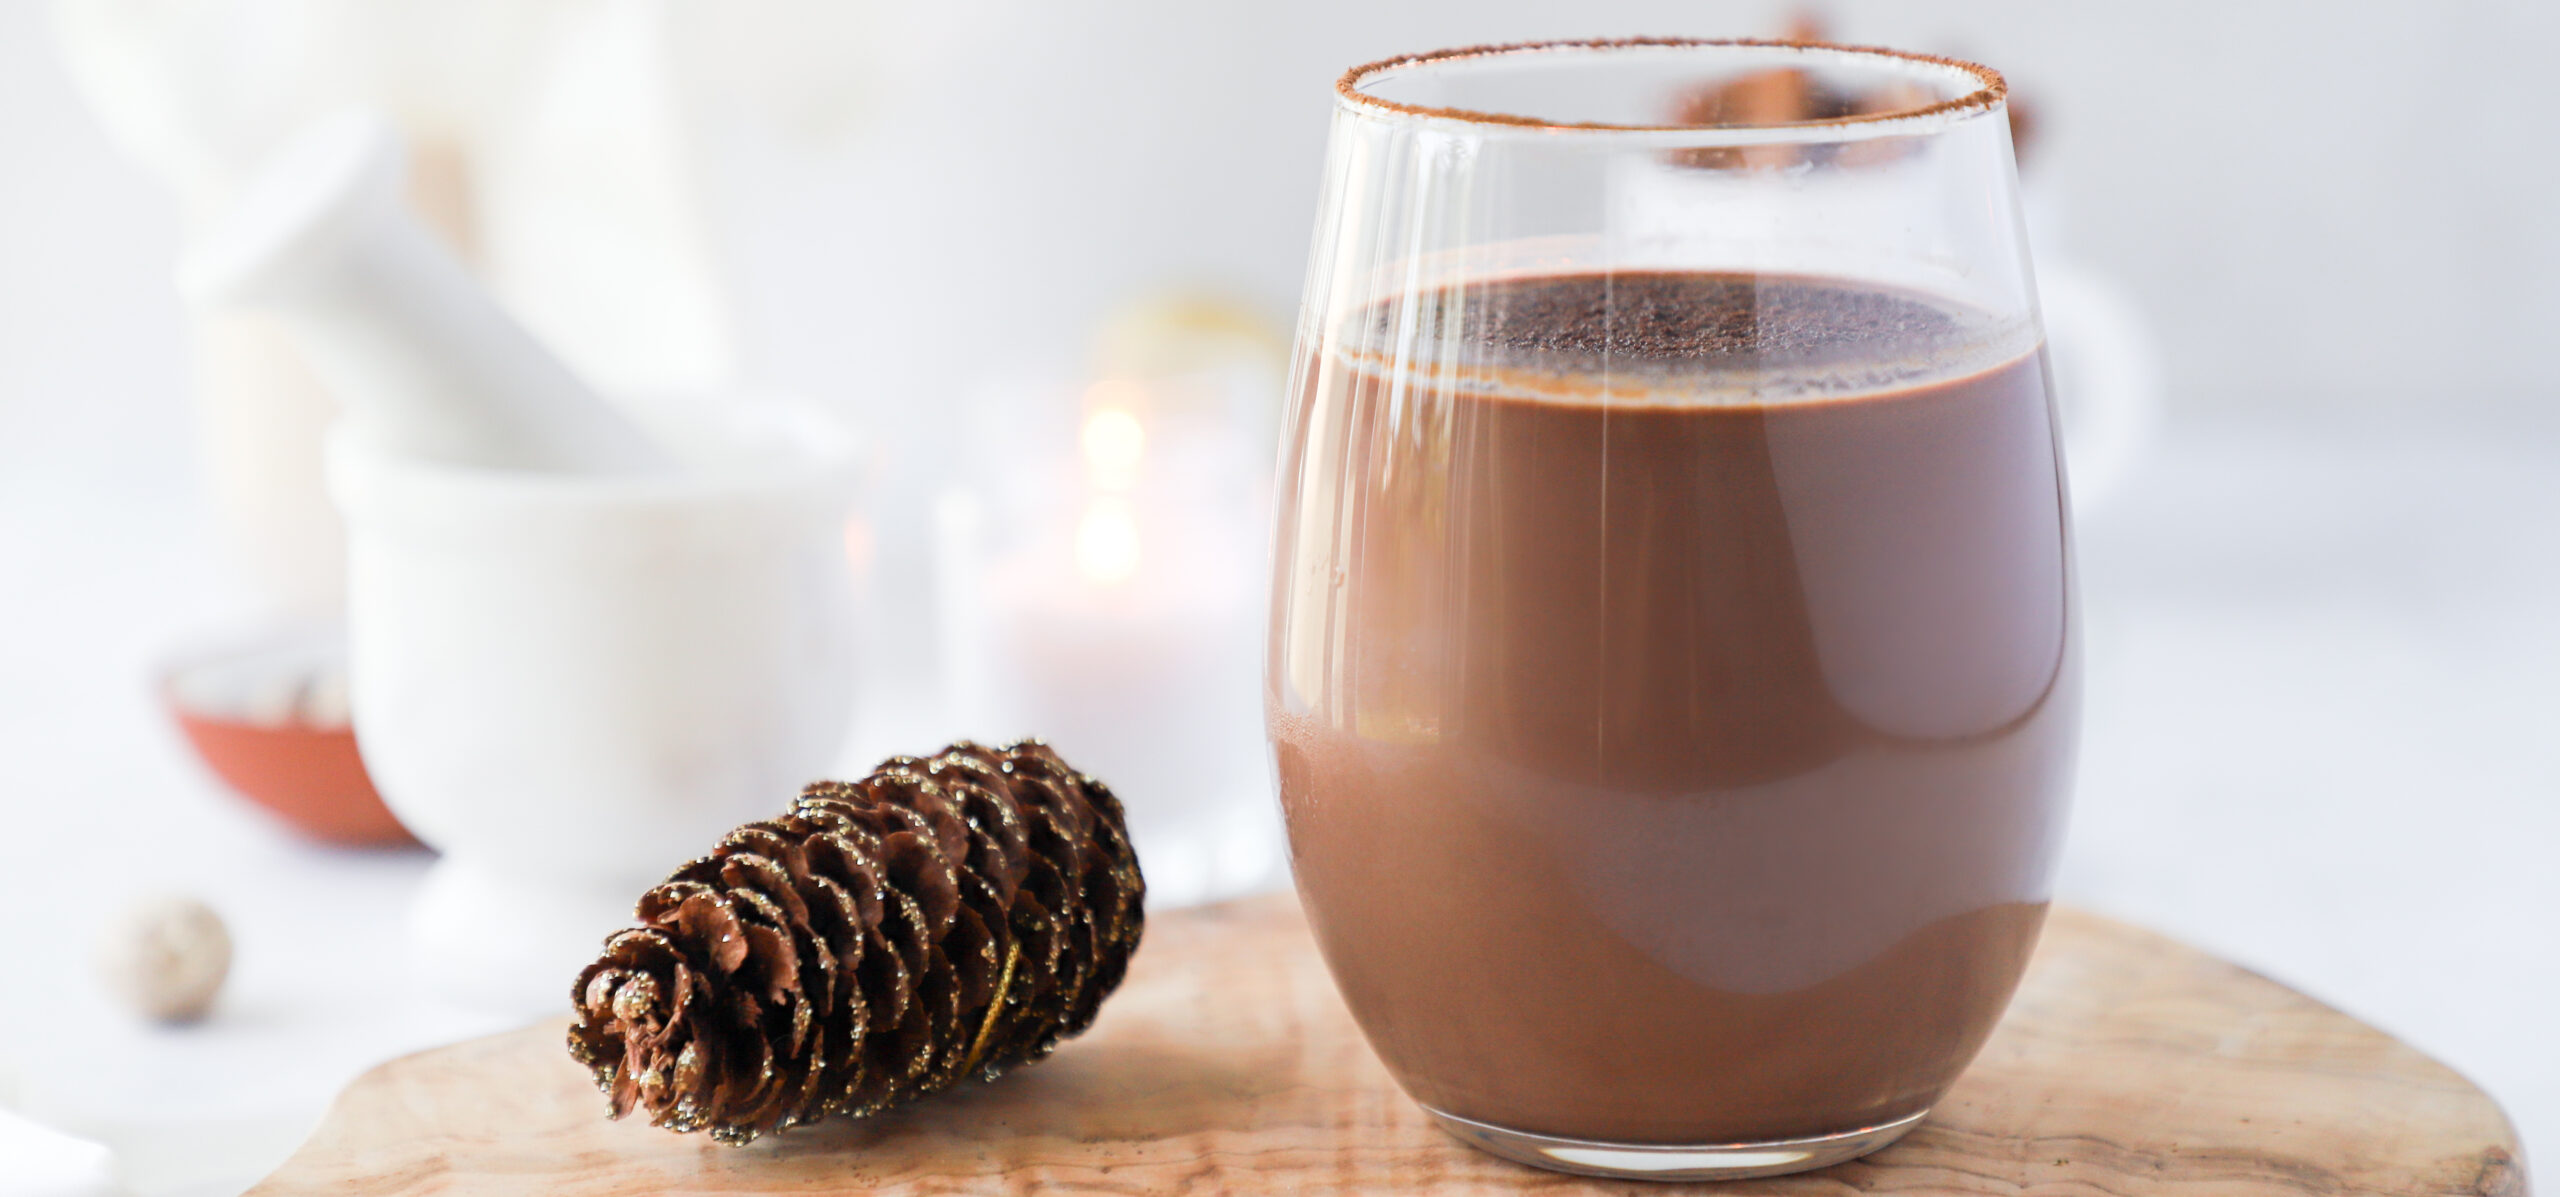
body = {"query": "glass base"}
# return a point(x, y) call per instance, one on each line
point(1665, 1161)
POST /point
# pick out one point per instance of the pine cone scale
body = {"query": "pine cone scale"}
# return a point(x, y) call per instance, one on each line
point(918, 867)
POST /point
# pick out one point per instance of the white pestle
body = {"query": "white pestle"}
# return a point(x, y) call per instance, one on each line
point(423, 358)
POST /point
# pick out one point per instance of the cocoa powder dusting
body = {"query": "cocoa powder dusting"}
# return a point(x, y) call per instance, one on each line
point(1661, 325)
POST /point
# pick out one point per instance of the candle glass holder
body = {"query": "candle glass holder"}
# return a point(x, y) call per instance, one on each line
point(1103, 591)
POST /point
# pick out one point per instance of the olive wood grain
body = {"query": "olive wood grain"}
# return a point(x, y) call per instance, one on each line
point(2129, 1065)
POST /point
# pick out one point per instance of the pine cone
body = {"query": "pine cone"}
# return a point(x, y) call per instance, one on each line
point(887, 937)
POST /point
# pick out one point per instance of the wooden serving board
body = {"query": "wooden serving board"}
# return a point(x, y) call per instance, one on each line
point(2129, 1065)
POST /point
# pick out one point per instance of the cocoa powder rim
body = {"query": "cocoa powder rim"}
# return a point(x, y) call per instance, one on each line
point(1991, 92)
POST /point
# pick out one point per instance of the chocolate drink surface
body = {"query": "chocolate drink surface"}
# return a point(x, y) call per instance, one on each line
point(1674, 695)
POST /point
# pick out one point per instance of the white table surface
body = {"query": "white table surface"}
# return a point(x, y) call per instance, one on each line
point(2321, 664)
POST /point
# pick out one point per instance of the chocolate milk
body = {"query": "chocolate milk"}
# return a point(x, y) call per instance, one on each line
point(1673, 692)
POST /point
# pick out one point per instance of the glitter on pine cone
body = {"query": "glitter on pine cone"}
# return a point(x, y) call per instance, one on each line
point(940, 918)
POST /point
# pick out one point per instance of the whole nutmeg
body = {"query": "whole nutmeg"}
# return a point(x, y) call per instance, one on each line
point(166, 958)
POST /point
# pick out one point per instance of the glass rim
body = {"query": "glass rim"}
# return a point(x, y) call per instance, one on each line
point(1989, 93)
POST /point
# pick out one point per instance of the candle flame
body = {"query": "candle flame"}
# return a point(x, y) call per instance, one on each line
point(1107, 542)
point(1114, 445)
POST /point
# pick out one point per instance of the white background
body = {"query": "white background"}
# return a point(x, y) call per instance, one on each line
point(2323, 648)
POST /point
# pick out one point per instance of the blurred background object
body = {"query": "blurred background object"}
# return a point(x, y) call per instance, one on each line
point(586, 634)
point(267, 712)
point(166, 957)
point(547, 149)
point(1104, 586)
point(2321, 532)
point(44, 1162)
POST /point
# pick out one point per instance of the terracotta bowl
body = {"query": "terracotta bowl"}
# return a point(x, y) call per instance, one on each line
point(267, 713)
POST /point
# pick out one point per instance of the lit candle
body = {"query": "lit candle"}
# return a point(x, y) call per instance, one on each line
point(1124, 625)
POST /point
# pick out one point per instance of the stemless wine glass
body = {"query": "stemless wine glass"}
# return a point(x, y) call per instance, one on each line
point(1672, 676)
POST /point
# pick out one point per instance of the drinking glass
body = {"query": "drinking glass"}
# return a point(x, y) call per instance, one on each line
point(1672, 676)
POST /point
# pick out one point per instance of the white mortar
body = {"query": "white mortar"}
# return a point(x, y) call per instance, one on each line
point(571, 684)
